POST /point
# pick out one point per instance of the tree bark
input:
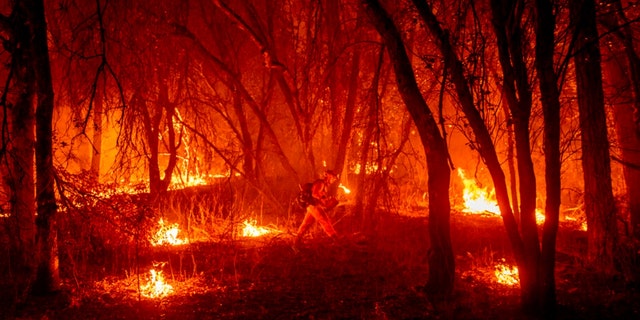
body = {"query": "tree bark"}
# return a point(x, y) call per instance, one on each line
point(626, 109)
point(48, 276)
point(349, 112)
point(96, 142)
point(516, 88)
point(441, 259)
point(550, 99)
point(486, 147)
point(600, 207)
point(617, 84)
point(20, 152)
point(364, 188)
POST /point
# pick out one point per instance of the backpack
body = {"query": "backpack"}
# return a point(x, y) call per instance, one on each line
point(304, 197)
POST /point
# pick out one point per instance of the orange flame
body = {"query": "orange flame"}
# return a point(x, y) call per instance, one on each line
point(251, 230)
point(344, 189)
point(155, 286)
point(507, 275)
point(167, 234)
point(476, 199)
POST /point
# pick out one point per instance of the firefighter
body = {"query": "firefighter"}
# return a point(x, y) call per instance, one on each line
point(317, 208)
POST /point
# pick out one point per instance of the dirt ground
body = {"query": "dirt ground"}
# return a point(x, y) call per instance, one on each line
point(377, 276)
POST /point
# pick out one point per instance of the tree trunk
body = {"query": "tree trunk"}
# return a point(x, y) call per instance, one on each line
point(627, 112)
point(96, 144)
point(47, 277)
point(20, 152)
point(245, 139)
point(441, 259)
point(617, 84)
point(598, 196)
point(349, 112)
point(364, 187)
point(483, 138)
point(516, 88)
point(550, 99)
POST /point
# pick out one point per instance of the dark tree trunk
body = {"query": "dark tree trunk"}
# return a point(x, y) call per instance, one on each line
point(550, 99)
point(617, 84)
point(245, 137)
point(158, 120)
point(96, 142)
point(364, 187)
point(441, 259)
point(20, 149)
point(598, 196)
point(483, 138)
point(47, 276)
point(516, 88)
point(349, 112)
point(627, 111)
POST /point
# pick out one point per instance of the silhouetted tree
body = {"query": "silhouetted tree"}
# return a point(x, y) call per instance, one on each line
point(600, 207)
point(441, 260)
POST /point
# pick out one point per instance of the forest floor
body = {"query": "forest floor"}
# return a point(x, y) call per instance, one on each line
point(363, 277)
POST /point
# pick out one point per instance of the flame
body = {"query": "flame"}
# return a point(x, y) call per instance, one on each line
point(583, 225)
point(251, 230)
point(476, 199)
point(167, 234)
point(507, 275)
point(155, 286)
point(345, 189)
point(540, 217)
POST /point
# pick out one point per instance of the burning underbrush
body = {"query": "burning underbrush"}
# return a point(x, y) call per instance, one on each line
point(205, 253)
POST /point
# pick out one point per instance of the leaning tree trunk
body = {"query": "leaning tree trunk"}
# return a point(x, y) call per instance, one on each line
point(600, 207)
point(441, 259)
point(550, 99)
point(47, 277)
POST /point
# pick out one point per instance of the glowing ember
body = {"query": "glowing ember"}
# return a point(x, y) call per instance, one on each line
point(155, 286)
point(345, 189)
point(476, 199)
point(507, 275)
point(251, 230)
point(167, 234)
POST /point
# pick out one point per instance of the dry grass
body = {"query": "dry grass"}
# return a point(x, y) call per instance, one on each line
point(373, 276)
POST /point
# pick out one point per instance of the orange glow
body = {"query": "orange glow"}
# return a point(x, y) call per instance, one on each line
point(539, 216)
point(167, 234)
point(251, 230)
point(156, 287)
point(345, 189)
point(476, 199)
point(507, 275)
point(583, 225)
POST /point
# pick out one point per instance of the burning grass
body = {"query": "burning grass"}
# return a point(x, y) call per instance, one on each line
point(245, 268)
